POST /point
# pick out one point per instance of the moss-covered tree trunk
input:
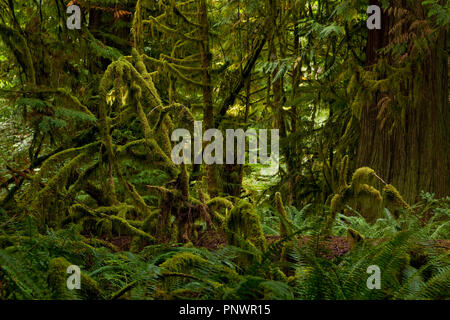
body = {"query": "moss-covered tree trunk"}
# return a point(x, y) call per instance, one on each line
point(208, 111)
point(414, 153)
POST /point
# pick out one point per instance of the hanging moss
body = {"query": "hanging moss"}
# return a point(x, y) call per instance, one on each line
point(132, 229)
point(118, 223)
point(49, 164)
point(361, 195)
point(243, 221)
point(137, 27)
point(166, 129)
point(337, 205)
point(219, 208)
point(393, 200)
point(105, 227)
point(369, 202)
point(343, 173)
point(150, 224)
point(285, 228)
point(18, 45)
point(220, 201)
point(164, 28)
point(59, 180)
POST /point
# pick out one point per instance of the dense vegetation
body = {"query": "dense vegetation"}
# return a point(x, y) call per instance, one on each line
point(86, 176)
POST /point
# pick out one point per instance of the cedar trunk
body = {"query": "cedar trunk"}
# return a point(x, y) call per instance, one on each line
point(414, 156)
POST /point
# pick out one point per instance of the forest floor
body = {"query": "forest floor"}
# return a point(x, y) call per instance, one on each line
point(333, 247)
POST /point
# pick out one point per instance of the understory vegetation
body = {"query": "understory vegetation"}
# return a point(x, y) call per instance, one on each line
point(87, 178)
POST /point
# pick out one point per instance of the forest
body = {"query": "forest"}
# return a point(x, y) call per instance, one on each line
point(120, 177)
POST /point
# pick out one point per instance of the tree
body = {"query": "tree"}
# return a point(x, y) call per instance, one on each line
point(404, 125)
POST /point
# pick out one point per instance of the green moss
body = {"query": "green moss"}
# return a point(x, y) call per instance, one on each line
point(218, 218)
point(136, 244)
point(183, 262)
point(219, 207)
point(292, 281)
point(369, 202)
point(220, 201)
point(133, 230)
point(393, 200)
point(243, 221)
point(284, 225)
point(57, 281)
point(362, 176)
point(361, 195)
point(137, 27)
point(105, 227)
point(276, 274)
point(354, 237)
point(18, 45)
point(187, 263)
point(150, 224)
point(57, 278)
point(343, 173)
point(337, 203)
point(189, 245)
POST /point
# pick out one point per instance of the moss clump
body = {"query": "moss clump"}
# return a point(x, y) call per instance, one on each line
point(57, 281)
point(337, 203)
point(243, 222)
point(57, 278)
point(354, 237)
point(369, 202)
point(219, 201)
point(362, 176)
point(183, 265)
point(219, 208)
point(361, 195)
point(393, 200)
point(183, 262)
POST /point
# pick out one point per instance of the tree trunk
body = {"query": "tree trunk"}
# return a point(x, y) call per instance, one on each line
point(413, 155)
point(208, 115)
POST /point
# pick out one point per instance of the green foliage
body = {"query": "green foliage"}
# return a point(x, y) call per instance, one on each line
point(322, 279)
point(439, 12)
point(86, 177)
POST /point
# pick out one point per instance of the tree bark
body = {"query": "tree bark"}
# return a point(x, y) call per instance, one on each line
point(414, 154)
point(208, 111)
